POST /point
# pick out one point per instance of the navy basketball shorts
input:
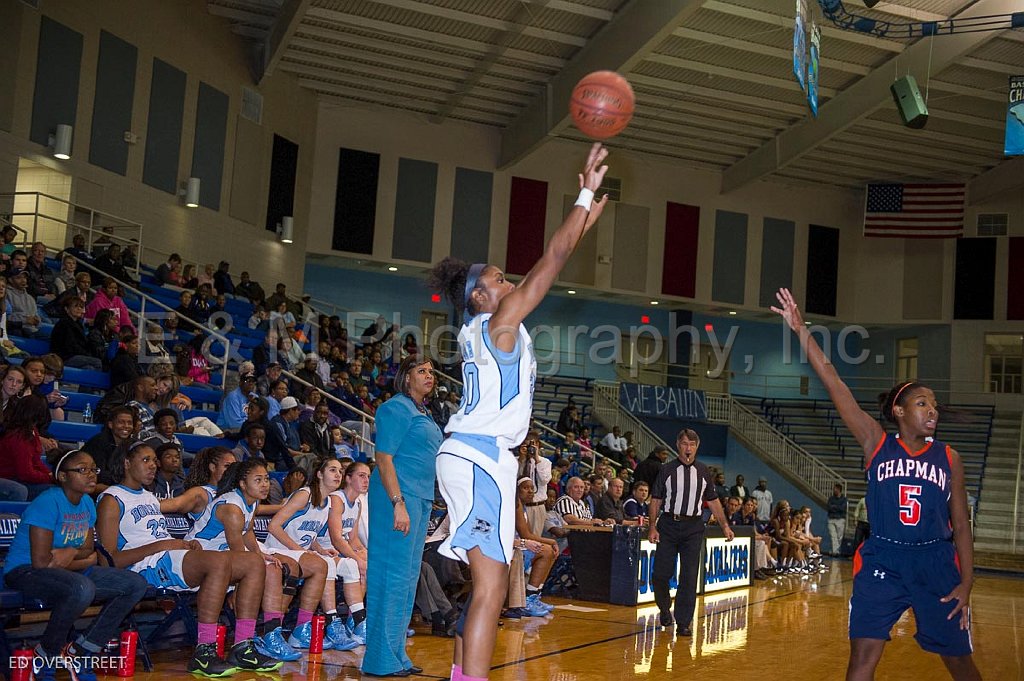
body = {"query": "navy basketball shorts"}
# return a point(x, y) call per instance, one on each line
point(889, 578)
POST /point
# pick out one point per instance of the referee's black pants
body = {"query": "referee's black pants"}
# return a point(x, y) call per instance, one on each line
point(683, 538)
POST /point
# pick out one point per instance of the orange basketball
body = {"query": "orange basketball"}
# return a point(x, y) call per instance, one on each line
point(602, 104)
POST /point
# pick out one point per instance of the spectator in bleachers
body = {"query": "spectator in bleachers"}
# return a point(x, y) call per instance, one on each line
point(315, 433)
point(254, 439)
point(206, 277)
point(259, 320)
point(125, 365)
point(341, 444)
point(12, 385)
point(278, 391)
point(647, 470)
point(613, 443)
point(119, 428)
point(568, 449)
point(24, 317)
point(308, 373)
point(169, 272)
point(41, 279)
point(77, 249)
point(629, 460)
point(232, 409)
point(201, 306)
point(7, 236)
point(440, 407)
point(169, 481)
point(52, 558)
point(188, 277)
point(105, 337)
point(721, 490)
point(610, 505)
point(83, 287)
point(110, 263)
point(764, 499)
point(279, 297)
point(17, 261)
point(7, 346)
point(69, 340)
point(569, 419)
point(165, 424)
point(313, 398)
point(837, 508)
point(554, 524)
point(365, 403)
point(22, 446)
point(739, 489)
point(219, 316)
point(636, 506)
point(65, 279)
point(191, 364)
point(284, 435)
point(130, 256)
point(107, 298)
point(250, 289)
point(184, 304)
point(156, 352)
point(289, 353)
point(271, 374)
point(222, 279)
point(50, 388)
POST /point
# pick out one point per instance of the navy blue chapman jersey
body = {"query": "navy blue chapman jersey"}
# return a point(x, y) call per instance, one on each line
point(908, 492)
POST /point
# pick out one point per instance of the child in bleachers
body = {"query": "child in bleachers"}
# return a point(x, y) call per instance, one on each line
point(50, 388)
point(53, 559)
point(105, 337)
point(22, 446)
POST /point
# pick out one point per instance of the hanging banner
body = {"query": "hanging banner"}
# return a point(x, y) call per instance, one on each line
point(800, 44)
point(812, 69)
point(1014, 145)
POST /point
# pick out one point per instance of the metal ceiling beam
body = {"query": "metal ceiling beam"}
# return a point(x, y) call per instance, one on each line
point(860, 99)
point(987, 65)
point(775, 107)
point(241, 15)
point(635, 31)
point(581, 10)
point(430, 37)
point(485, 21)
point(1006, 177)
point(735, 74)
point(780, 13)
point(281, 33)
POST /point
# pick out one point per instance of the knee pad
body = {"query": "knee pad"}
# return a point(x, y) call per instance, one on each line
point(289, 584)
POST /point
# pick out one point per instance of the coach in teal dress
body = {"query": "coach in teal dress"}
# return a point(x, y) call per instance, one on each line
point(400, 499)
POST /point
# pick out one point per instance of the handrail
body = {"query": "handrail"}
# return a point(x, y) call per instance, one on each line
point(90, 229)
point(144, 333)
point(1016, 488)
point(365, 417)
point(606, 403)
point(775, 446)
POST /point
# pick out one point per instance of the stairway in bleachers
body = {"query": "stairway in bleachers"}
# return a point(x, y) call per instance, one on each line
point(815, 425)
point(552, 393)
point(995, 536)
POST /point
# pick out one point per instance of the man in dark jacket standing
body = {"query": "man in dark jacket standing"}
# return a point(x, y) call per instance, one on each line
point(647, 470)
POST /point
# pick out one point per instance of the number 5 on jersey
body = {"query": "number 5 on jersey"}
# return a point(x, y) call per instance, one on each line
point(910, 507)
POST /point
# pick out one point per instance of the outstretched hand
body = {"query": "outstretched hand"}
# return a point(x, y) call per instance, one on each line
point(962, 595)
point(789, 311)
point(594, 170)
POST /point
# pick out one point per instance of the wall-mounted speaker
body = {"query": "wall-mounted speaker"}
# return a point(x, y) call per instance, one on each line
point(908, 100)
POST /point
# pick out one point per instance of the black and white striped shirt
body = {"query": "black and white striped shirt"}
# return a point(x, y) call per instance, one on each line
point(683, 487)
point(566, 505)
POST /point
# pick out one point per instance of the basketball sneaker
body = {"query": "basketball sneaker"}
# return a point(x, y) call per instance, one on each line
point(274, 645)
point(338, 636)
point(535, 599)
point(357, 631)
point(206, 662)
point(80, 667)
point(303, 634)
point(245, 657)
point(533, 608)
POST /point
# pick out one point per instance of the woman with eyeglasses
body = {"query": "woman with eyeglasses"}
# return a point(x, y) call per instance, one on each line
point(22, 445)
point(53, 559)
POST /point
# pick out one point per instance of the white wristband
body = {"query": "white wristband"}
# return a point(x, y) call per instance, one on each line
point(585, 199)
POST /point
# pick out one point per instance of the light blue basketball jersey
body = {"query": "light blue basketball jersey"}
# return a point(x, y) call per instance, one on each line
point(497, 399)
point(209, 531)
point(211, 491)
point(141, 521)
point(306, 526)
point(349, 513)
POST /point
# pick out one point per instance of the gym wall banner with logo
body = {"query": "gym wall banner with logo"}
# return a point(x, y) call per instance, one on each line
point(1015, 118)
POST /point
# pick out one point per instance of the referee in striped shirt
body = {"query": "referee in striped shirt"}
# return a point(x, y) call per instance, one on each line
point(678, 529)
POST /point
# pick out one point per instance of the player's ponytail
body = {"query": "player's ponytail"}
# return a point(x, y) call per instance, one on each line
point(237, 472)
point(448, 278)
point(199, 471)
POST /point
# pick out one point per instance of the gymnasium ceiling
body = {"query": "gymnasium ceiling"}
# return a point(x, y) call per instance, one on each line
point(713, 78)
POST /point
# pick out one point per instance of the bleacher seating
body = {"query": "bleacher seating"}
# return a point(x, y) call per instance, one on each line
point(552, 393)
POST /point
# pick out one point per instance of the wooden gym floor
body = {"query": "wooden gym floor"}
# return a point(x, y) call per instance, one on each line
point(789, 627)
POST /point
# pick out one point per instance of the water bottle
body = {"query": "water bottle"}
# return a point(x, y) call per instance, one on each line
point(316, 639)
point(222, 637)
point(87, 413)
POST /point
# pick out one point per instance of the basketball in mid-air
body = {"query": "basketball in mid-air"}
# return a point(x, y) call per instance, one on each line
point(602, 104)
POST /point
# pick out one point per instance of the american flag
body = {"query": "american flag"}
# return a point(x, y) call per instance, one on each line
point(915, 211)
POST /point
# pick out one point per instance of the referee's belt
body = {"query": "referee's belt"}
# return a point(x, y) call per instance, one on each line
point(534, 503)
point(674, 516)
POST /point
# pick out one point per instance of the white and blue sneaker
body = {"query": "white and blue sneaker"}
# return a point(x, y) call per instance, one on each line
point(357, 632)
point(273, 645)
point(303, 634)
point(337, 635)
point(533, 609)
point(534, 599)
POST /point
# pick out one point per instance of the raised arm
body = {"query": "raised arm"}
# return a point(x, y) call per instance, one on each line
point(514, 307)
point(863, 426)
